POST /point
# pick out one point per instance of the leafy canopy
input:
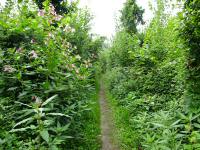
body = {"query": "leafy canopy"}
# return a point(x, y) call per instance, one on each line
point(132, 15)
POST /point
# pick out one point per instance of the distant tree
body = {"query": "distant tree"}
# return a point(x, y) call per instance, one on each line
point(131, 16)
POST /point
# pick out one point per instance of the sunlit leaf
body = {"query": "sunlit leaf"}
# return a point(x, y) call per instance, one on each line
point(58, 114)
point(49, 100)
point(45, 135)
point(23, 121)
point(23, 104)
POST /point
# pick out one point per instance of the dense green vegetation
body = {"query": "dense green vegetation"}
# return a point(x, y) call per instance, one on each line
point(47, 80)
point(51, 67)
point(190, 32)
point(152, 78)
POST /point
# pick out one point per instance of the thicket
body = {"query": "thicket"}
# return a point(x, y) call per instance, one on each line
point(190, 31)
point(47, 81)
point(152, 75)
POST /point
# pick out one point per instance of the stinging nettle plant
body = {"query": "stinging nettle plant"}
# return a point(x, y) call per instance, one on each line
point(43, 57)
point(41, 119)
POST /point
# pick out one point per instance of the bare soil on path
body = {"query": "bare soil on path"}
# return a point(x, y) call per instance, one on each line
point(107, 125)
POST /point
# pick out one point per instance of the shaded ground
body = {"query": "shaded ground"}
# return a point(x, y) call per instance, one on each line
point(107, 125)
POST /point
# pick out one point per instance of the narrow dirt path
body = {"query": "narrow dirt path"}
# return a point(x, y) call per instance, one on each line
point(107, 125)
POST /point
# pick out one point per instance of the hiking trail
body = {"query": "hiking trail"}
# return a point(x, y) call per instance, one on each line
point(107, 125)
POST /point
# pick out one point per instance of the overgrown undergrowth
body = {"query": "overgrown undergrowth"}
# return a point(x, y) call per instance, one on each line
point(147, 75)
point(47, 79)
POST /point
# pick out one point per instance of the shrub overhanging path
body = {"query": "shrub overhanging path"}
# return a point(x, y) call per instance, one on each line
point(107, 125)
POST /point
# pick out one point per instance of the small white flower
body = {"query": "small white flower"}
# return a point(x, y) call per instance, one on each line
point(67, 28)
point(37, 100)
point(51, 35)
point(69, 45)
point(19, 50)
point(73, 66)
point(41, 13)
point(9, 69)
point(78, 57)
point(33, 54)
point(46, 42)
point(32, 41)
point(58, 17)
point(52, 10)
point(73, 30)
point(77, 71)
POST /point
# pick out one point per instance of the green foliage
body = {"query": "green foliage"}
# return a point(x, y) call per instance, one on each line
point(61, 6)
point(46, 76)
point(91, 123)
point(190, 32)
point(147, 83)
point(132, 15)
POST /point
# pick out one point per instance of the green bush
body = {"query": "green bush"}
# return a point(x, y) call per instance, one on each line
point(190, 31)
point(147, 80)
point(46, 76)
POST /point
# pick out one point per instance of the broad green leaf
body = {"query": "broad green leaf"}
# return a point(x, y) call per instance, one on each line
point(23, 104)
point(22, 94)
point(49, 100)
point(180, 135)
point(54, 147)
point(65, 127)
point(159, 125)
point(2, 141)
point(44, 109)
point(58, 114)
point(197, 125)
point(196, 146)
point(12, 88)
point(25, 113)
point(23, 121)
point(32, 127)
point(196, 116)
point(45, 135)
point(20, 129)
point(175, 123)
point(67, 137)
point(182, 116)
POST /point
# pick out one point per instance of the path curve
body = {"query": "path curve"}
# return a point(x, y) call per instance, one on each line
point(107, 125)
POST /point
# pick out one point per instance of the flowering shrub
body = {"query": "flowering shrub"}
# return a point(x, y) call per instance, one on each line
point(46, 77)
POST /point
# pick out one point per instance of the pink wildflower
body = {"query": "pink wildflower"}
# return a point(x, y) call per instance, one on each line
point(33, 54)
point(41, 13)
point(67, 28)
point(50, 21)
point(33, 41)
point(58, 17)
point(52, 10)
point(37, 100)
point(19, 50)
point(73, 66)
